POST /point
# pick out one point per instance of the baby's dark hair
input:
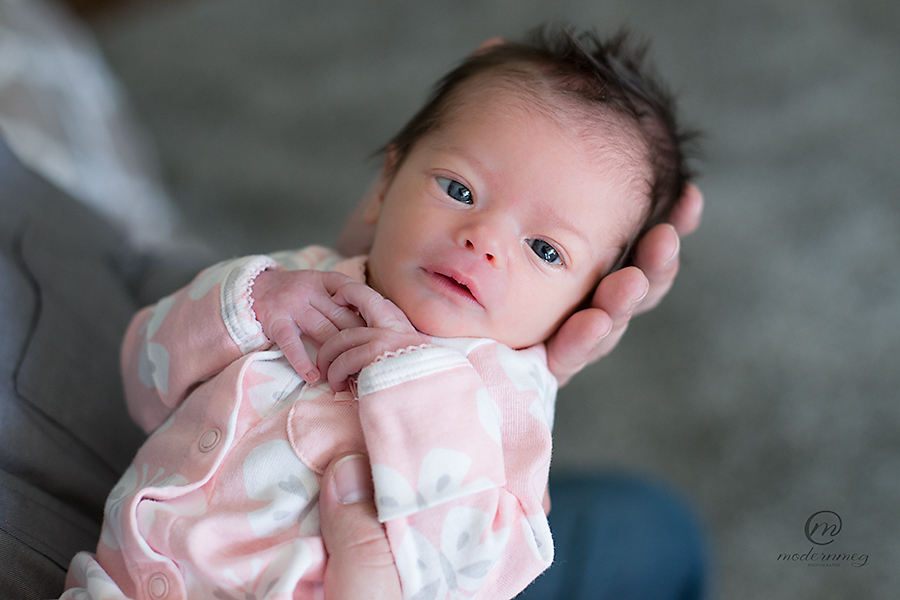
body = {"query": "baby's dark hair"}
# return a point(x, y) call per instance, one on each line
point(604, 80)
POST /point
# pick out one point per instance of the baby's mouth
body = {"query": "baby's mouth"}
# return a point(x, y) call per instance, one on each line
point(463, 287)
point(456, 286)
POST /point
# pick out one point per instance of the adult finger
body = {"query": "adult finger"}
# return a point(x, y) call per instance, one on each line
point(657, 259)
point(687, 213)
point(592, 333)
point(360, 563)
point(658, 252)
point(570, 348)
point(657, 256)
point(619, 293)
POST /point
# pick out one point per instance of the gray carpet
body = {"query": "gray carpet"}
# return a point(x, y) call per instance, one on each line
point(765, 388)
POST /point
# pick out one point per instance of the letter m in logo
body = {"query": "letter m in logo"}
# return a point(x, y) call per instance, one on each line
point(822, 527)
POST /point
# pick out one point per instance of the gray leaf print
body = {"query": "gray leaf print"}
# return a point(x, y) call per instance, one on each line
point(429, 592)
point(449, 572)
point(476, 570)
point(462, 540)
point(293, 485)
point(387, 502)
point(536, 375)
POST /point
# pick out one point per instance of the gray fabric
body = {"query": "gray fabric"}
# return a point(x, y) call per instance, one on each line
point(39, 534)
point(65, 300)
point(64, 114)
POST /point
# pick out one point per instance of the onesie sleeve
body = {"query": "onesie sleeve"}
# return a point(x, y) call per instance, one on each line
point(460, 454)
point(184, 339)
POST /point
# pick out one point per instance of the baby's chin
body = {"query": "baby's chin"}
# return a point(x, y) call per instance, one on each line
point(445, 326)
point(460, 328)
point(434, 327)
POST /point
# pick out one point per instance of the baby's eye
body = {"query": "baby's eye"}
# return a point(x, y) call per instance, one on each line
point(455, 190)
point(545, 252)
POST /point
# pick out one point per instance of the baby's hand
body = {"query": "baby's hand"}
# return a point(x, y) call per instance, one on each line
point(289, 304)
point(386, 329)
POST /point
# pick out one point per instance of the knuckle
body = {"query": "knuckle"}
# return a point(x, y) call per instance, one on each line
point(322, 329)
point(279, 328)
point(370, 547)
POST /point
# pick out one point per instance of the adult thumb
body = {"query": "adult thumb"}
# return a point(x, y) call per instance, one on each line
point(360, 563)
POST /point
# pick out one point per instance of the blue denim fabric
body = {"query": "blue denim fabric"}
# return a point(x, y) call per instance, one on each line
point(621, 537)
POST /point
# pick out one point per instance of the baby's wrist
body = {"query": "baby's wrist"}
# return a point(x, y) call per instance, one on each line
point(237, 301)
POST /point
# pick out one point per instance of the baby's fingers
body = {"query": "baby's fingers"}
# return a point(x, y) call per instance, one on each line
point(338, 315)
point(377, 310)
point(344, 355)
point(285, 333)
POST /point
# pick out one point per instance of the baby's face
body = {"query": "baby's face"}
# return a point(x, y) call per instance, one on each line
point(500, 223)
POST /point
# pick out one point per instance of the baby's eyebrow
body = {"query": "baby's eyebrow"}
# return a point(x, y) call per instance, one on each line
point(464, 154)
point(554, 220)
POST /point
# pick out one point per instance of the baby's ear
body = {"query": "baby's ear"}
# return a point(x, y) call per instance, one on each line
point(391, 160)
point(375, 196)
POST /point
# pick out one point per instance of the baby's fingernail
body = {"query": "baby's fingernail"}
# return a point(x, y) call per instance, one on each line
point(312, 376)
point(352, 479)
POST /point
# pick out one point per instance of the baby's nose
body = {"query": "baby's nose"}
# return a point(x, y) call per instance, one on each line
point(488, 243)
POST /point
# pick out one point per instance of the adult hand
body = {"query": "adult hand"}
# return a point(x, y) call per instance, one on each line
point(360, 563)
point(593, 332)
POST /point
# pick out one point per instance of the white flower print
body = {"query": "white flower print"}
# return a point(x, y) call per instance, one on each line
point(153, 366)
point(272, 472)
point(441, 478)
point(160, 311)
point(274, 579)
point(536, 532)
point(461, 563)
point(527, 371)
point(268, 396)
point(130, 484)
point(153, 363)
point(97, 583)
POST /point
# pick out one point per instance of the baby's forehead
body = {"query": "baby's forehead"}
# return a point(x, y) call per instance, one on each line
point(518, 90)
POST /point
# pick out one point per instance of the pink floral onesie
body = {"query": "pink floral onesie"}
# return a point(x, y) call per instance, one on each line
point(221, 501)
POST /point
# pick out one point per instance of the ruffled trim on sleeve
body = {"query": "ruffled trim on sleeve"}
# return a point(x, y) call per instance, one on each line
point(237, 302)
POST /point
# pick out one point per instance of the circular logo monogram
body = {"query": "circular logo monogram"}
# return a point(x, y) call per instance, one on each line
point(822, 527)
